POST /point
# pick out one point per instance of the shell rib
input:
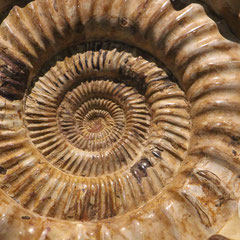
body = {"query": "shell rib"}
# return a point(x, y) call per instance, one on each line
point(98, 140)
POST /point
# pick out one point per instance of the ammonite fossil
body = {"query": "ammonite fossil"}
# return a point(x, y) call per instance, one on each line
point(119, 119)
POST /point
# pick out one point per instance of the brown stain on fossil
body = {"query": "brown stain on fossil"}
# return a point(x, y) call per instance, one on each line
point(13, 77)
point(122, 176)
point(218, 237)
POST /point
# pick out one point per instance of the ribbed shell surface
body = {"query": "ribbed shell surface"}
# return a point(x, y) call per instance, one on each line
point(119, 119)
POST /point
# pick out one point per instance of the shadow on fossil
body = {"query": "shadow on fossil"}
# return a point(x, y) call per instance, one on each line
point(119, 120)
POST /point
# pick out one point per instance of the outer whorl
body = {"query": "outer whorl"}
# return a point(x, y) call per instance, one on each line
point(119, 120)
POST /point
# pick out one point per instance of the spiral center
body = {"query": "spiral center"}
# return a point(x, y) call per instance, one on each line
point(96, 121)
point(96, 124)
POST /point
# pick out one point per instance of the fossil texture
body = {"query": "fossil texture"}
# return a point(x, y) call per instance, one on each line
point(119, 120)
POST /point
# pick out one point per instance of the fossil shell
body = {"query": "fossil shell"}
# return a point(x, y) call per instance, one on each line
point(119, 120)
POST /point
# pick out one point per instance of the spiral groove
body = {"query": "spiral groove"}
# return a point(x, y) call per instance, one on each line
point(103, 120)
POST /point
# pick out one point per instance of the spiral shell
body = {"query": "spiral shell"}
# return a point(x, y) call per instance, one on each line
point(119, 120)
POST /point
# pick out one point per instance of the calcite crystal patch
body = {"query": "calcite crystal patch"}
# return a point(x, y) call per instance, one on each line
point(119, 119)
